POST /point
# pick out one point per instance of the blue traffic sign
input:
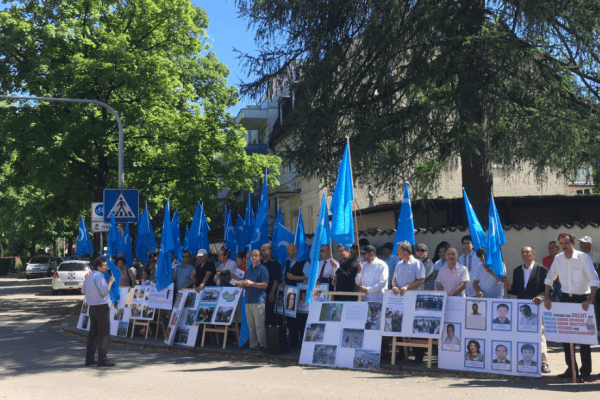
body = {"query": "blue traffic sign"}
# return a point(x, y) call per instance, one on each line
point(123, 204)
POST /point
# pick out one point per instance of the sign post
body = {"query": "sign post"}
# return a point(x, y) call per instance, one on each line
point(122, 204)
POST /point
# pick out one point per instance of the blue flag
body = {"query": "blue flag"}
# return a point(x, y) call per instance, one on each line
point(248, 224)
point(493, 256)
point(260, 235)
point(176, 235)
point(342, 220)
point(283, 239)
point(300, 239)
point(195, 230)
point(125, 247)
point(321, 238)
point(229, 239)
point(203, 242)
point(164, 272)
point(475, 228)
point(84, 244)
point(406, 227)
point(145, 237)
point(244, 330)
point(278, 220)
point(112, 248)
point(239, 232)
point(186, 239)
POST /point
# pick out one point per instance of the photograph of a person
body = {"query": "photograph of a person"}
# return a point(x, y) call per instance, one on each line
point(302, 303)
point(291, 301)
point(224, 314)
point(181, 335)
point(476, 312)
point(528, 318)
point(430, 325)
point(189, 317)
point(174, 318)
point(178, 299)
point(527, 358)
point(190, 300)
point(324, 354)
point(136, 310)
point(451, 337)
point(373, 316)
point(210, 294)
point(393, 321)
point(474, 357)
point(122, 330)
point(429, 302)
point(352, 338)
point(314, 333)
point(366, 359)
point(279, 302)
point(501, 316)
point(204, 314)
point(119, 314)
point(502, 355)
point(331, 312)
point(84, 307)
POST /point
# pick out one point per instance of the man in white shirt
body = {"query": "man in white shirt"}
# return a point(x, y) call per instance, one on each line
point(469, 259)
point(327, 267)
point(585, 245)
point(390, 259)
point(372, 277)
point(453, 277)
point(579, 282)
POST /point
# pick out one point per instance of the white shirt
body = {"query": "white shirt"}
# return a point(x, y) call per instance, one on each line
point(489, 286)
point(576, 274)
point(595, 256)
point(527, 273)
point(408, 272)
point(451, 279)
point(327, 272)
point(375, 278)
point(472, 263)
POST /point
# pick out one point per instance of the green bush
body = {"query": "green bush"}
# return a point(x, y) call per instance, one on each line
point(7, 265)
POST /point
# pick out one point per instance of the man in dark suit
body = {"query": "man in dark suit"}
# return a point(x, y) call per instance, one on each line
point(528, 283)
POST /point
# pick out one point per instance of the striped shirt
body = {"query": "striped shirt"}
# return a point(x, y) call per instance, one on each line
point(95, 288)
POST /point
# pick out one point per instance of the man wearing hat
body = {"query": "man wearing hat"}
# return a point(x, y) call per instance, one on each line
point(585, 245)
point(372, 277)
point(390, 259)
point(204, 275)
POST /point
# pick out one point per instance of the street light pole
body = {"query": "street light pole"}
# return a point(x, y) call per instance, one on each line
point(109, 108)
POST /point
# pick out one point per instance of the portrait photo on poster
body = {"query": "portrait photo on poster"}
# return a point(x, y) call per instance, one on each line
point(527, 355)
point(373, 316)
point(502, 354)
point(302, 303)
point(314, 333)
point(501, 316)
point(528, 320)
point(123, 326)
point(451, 337)
point(474, 356)
point(429, 302)
point(475, 313)
point(278, 307)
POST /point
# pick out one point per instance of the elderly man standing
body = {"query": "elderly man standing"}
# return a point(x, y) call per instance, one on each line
point(256, 280)
point(372, 277)
point(453, 277)
point(585, 245)
point(95, 288)
point(327, 267)
point(579, 282)
point(274, 269)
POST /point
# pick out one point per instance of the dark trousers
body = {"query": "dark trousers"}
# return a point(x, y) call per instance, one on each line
point(296, 328)
point(99, 334)
point(270, 316)
point(584, 349)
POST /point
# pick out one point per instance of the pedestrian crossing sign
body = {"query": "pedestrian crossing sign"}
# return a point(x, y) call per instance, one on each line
point(122, 204)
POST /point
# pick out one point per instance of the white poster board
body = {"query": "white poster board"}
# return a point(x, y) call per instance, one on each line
point(417, 314)
point(162, 300)
point(500, 336)
point(139, 304)
point(84, 317)
point(301, 299)
point(217, 305)
point(119, 315)
point(175, 315)
point(569, 323)
point(342, 334)
point(186, 331)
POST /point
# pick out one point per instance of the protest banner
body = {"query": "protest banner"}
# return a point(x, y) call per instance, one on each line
point(217, 305)
point(120, 314)
point(569, 323)
point(139, 304)
point(84, 317)
point(317, 296)
point(417, 314)
point(185, 330)
point(163, 299)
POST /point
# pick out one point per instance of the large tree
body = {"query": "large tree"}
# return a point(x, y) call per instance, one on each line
point(417, 84)
point(148, 59)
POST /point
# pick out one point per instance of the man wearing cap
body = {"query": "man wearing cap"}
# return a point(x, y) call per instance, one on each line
point(225, 264)
point(372, 277)
point(469, 259)
point(390, 259)
point(204, 274)
point(579, 282)
point(421, 252)
point(585, 245)
point(327, 267)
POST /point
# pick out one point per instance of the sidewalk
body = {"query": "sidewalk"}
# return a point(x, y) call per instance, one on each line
point(555, 355)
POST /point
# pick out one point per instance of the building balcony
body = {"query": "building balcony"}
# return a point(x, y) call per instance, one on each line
point(253, 118)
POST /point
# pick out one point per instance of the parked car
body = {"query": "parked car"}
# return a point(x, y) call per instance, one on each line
point(70, 275)
point(40, 265)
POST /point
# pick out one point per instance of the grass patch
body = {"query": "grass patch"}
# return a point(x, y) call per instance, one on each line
point(76, 308)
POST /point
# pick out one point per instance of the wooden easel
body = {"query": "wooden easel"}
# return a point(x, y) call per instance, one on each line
point(144, 323)
point(409, 342)
point(224, 329)
point(360, 295)
point(159, 325)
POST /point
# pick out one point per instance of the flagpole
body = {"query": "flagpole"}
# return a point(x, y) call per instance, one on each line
point(354, 208)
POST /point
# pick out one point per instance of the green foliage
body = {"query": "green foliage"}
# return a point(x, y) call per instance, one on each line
point(418, 84)
point(150, 60)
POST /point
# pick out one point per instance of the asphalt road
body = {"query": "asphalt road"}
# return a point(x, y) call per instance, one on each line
point(37, 360)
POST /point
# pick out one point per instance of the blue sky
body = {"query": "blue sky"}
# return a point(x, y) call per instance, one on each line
point(227, 31)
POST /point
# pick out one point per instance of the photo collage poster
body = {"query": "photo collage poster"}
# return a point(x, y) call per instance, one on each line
point(120, 315)
point(217, 305)
point(139, 304)
point(499, 336)
point(317, 297)
point(175, 316)
point(186, 329)
point(417, 314)
point(84, 317)
point(343, 334)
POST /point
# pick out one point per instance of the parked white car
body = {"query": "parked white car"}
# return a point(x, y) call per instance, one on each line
point(70, 275)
